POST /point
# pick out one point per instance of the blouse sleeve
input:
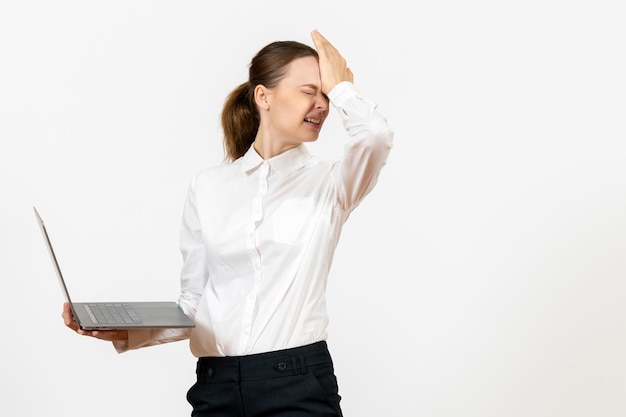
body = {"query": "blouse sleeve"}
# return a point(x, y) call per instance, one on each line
point(194, 274)
point(365, 154)
point(193, 278)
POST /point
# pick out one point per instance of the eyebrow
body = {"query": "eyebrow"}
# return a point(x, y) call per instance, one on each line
point(314, 87)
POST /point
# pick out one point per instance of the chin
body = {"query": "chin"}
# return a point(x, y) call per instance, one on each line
point(312, 137)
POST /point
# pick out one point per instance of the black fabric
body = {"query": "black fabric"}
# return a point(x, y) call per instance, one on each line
point(298, 382)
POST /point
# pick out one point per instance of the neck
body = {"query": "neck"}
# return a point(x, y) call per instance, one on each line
point(268, 148)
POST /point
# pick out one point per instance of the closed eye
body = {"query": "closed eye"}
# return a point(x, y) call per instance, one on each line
point(309, 89)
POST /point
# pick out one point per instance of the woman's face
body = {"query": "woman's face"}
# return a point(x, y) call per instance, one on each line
point(297, 107)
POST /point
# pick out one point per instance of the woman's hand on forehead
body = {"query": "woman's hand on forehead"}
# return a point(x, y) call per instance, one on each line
point(333, 67)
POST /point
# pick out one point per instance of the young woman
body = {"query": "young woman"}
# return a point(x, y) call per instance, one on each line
point(259, 233)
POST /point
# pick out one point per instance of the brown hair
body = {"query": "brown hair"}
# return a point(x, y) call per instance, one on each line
point(240, 116)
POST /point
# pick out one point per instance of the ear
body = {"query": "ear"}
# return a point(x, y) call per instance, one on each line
point(261, 97)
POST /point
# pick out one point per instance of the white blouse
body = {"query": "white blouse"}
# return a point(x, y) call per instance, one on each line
point(258, 239)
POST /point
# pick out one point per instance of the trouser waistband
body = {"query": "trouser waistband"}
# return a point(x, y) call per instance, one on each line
point(259, 366)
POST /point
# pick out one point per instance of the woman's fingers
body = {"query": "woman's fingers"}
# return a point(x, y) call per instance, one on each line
point(333, 66)
point(68, 319)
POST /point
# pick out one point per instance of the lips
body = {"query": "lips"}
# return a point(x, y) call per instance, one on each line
point(314, 121)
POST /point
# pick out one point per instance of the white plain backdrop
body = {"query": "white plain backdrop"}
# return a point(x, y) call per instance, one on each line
point(484, 276)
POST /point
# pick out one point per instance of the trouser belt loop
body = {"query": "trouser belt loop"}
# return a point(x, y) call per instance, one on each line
point(302, 364)
point(298, 364)
point(294, 366)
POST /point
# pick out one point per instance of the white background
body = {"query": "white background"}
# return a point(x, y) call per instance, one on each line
point(484, 276)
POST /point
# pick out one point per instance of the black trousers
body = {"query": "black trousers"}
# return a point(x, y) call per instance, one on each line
point(298, 382)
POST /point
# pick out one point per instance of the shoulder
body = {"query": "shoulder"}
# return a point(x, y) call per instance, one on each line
point(218, 174)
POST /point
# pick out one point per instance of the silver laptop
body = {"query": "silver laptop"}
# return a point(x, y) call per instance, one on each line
point(118, 315)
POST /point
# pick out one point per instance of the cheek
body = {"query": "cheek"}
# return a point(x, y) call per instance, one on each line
point(295, 113)
point(291, 111)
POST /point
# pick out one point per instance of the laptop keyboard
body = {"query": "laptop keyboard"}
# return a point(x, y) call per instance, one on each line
point(112, 313)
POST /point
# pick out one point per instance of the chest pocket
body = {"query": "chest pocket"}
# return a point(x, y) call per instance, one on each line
point(293, 220)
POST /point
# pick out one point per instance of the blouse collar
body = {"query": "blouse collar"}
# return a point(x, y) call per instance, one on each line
point(284, 163)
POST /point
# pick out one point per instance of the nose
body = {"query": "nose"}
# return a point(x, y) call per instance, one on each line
point(322, 102)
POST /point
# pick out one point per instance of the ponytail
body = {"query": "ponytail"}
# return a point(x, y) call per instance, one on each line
point(240, 121)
